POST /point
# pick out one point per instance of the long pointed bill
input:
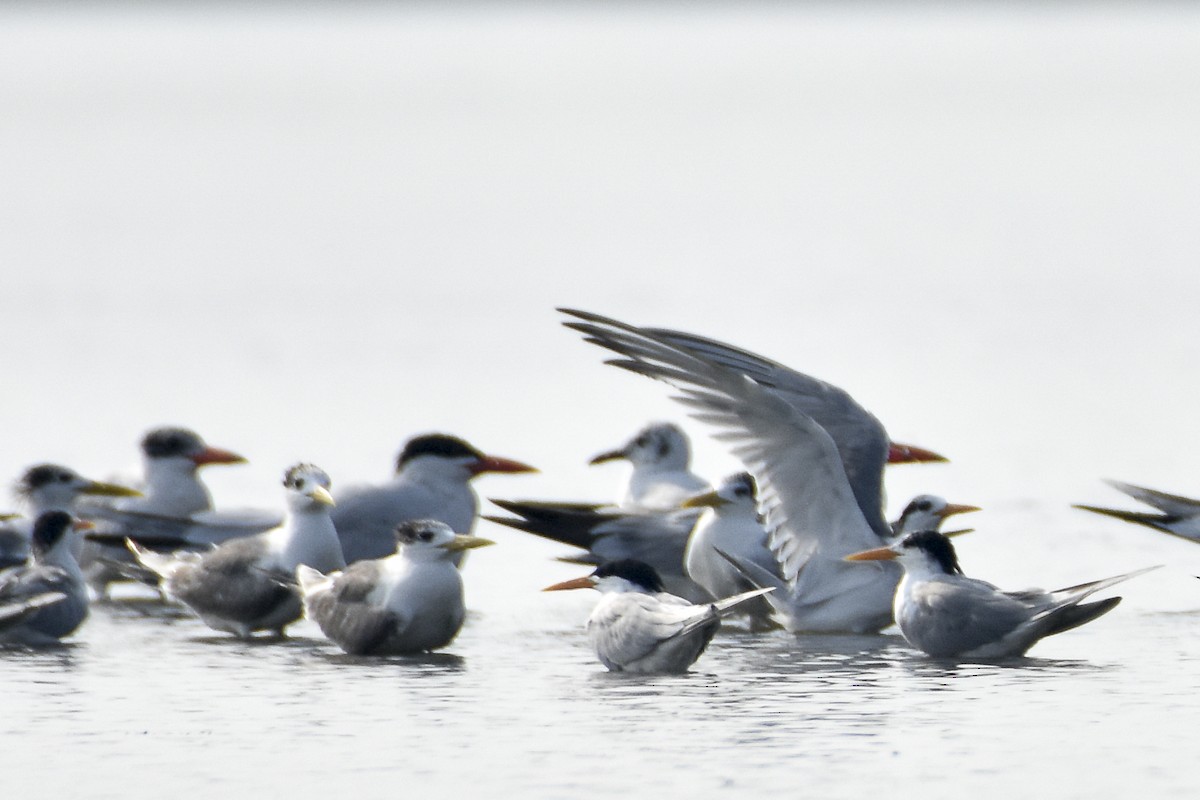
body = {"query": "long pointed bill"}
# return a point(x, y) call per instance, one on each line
point(109, 490)
point(611, 455)
point(464, 542)
point(878, 554)
point(911, 454)
point(953, 508)
point(498, 464)
point(959, 532)
point(706, 500)
point(215, 455)
point(585, 582)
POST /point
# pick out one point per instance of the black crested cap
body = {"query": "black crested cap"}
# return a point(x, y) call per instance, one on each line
point(414, 530)
point(41, 475)
point(442, 445)
point(166, 442)
point(937, 545)
point(922, 503)
point(636, 572)
point(48, 528)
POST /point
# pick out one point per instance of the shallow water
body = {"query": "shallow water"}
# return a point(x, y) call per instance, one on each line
point(310, 233)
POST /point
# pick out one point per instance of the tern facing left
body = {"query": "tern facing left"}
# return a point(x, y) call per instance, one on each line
point(244, 585)
point(948, 615)
point(408, 602)
point(1174, 514)
point(637, 627)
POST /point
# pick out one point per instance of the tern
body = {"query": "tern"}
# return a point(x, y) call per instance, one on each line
point(432, 481)
point(945, 614)
point(817, 455)
point(244, 585)
point(729, 530)
point(661, 478)
point(46, 599)
point(638, 627)
point(48, 487)
point(1178, 516)
point(408, 602)
point(927, 512)
point(175, 510)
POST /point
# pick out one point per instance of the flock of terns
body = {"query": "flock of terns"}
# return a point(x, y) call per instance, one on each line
point(799, 541)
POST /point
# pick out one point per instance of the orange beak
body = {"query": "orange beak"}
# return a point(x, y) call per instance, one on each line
point(953, 508)
point(585, 582)
point(878, 554)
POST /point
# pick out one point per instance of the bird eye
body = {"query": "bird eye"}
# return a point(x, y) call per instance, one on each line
point(64, 477)
point(425, 536)
point(640, 441)
point(924, 505)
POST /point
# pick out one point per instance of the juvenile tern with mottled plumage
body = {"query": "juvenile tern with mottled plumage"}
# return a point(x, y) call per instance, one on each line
point(637, 627)
point(945, 614)
point(247, 584)
point(408, 602)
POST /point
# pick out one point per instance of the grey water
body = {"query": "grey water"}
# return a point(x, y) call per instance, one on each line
point(310, 231)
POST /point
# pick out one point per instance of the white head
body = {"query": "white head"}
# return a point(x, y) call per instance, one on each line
point(307, 488)
point(927, 512)
point(431, 540)
point(737, 494)
point(922, 553)
point(662, 445)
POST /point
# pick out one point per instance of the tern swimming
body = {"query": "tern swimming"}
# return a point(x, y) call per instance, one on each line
point(408, 602)
point(637, 627)
point(945, 614)
point(46, 599)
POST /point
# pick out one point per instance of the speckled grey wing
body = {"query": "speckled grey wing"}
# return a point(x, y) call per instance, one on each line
point(636, 627)
point(861, 440)
point(229, 582)
point(950, 618)
point(345, 615)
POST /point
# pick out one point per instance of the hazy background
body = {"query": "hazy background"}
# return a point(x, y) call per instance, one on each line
point(312, 230)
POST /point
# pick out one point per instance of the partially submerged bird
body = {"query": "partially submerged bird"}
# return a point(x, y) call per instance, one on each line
point(638, 627)
point(661, 478)
point(1176, 515)
point(945, 614)
point(46, 599)
point(408, 602)
point(247, 584)
point(48, 487)
point(432, 481)
point(817, 455)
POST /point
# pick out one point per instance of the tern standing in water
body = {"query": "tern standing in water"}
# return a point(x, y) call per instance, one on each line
point(46, 599)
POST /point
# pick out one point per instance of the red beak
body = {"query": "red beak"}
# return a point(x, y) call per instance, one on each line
point(498, 464)
point(910, 454)
point(215, 455)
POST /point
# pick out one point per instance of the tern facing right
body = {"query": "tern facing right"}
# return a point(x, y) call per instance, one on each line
point(408, 602)
point(948, 615)
point(637, 627)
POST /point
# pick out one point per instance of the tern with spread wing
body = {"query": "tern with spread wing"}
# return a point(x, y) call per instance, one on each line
point(638, 627)
point(46, 599)
point(247, 584)
point(817, 455)
point(1176, 515)
point(408, 602)
point(945, 614)
point(432, 481)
